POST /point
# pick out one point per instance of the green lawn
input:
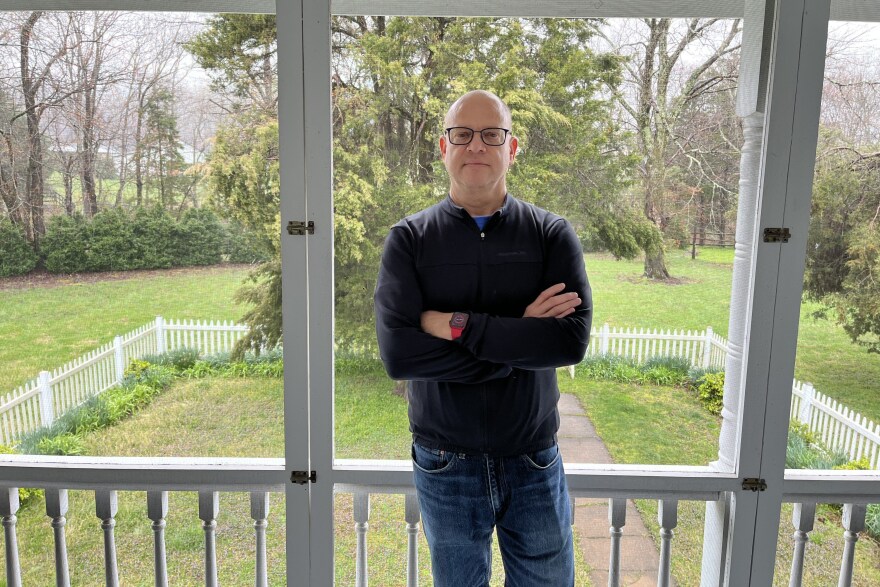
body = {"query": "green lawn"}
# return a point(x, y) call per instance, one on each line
point(699, 296)
point(233, 418)
point(665, 425)
point(43, 328)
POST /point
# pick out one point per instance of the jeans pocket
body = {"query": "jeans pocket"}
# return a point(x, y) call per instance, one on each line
point(431, 460)
point(542, 459)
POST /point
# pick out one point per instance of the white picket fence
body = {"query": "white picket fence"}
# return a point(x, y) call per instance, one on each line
point(39, 401)
point(836, 425)
point(705, 349)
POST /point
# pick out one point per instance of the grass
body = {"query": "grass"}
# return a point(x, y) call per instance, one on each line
point(700, 296)
point(666, 425)
point(43, 328)
point(233, 418)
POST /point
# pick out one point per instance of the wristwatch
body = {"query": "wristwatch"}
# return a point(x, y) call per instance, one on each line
point(457, 323)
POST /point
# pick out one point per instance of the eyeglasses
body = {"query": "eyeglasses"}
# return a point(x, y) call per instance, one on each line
point(462, 135)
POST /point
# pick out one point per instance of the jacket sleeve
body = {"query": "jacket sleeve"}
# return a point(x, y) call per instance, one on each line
point(406, 350)
point(540, 343)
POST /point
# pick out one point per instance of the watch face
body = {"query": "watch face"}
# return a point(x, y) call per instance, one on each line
point(459, 320)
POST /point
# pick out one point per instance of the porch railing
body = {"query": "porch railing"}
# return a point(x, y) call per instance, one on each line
point(258, 477)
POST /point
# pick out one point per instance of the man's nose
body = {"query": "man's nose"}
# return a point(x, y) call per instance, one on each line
point(477, 143)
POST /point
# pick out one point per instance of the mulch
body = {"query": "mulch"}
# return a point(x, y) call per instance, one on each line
point(44, 279)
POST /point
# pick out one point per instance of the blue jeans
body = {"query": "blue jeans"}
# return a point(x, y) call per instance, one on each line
point(464, 497)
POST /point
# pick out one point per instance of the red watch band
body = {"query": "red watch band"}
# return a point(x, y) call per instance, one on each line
point(457, 324)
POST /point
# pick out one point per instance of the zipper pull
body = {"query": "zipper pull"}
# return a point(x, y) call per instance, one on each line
point(482, 236)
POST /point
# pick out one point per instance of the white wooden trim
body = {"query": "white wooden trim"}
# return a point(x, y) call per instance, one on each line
point(850, 10)
point(319, 207)
point(792, 129)
point(143, 474)
point(546, 8)
point(251, 6)
point(294, 262)
point(829, 486)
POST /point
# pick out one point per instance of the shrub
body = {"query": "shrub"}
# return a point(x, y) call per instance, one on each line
point(16, 255)
point(201, 238)
point(242, 245)
point(64, 247)
point(110, 242)
point(154, 237)
point(710, 391)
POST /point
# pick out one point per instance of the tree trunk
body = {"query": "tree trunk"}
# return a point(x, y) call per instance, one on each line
point(67, 175)
point(655, 265)
point(34, 190)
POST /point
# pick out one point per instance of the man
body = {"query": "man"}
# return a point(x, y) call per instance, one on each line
point(479, 299)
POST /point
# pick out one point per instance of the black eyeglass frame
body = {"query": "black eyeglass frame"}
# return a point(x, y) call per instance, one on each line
point(474, 133)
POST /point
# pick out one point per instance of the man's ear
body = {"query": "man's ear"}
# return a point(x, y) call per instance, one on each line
point(443, 147)
point(514, 145)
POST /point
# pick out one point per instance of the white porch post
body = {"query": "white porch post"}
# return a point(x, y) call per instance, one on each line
point(776, 177)
point(754, 70)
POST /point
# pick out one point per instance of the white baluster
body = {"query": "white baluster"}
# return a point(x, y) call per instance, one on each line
point(411, 509)
point(118, 361)
point(157, 511)
point(853, 522)
point(361, 525)
point(667, 517)
point(209, 508)
point(617, 519)
point(260, 514)
point(8, 508)
point(802, 519)
point(56, 508)
point(106, 506)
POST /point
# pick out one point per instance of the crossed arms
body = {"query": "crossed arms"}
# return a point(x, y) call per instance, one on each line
point(415, 343)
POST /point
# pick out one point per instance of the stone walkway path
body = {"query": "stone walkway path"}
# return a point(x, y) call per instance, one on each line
point(639, 558)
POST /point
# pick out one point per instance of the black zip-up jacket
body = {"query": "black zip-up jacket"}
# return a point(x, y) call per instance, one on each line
point(494, 389)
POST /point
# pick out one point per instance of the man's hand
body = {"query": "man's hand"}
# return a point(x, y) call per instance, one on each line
point(550, 303)
point(437, 324)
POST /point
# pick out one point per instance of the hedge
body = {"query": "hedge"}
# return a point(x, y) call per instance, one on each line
point(148, 238)
point(16, 255)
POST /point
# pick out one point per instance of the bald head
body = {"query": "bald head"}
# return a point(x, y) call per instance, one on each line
point(481, 97)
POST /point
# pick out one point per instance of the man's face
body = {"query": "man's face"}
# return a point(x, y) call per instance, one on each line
point(478, 166)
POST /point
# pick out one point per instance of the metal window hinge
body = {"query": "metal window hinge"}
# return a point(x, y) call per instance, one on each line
point(754, 484)
point(776, 235)
point(303, 477)
point(298, 227)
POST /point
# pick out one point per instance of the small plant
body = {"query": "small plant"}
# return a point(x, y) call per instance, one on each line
point(710, 391)
point(67, 444)
point(179, 359)
point(801, 453)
